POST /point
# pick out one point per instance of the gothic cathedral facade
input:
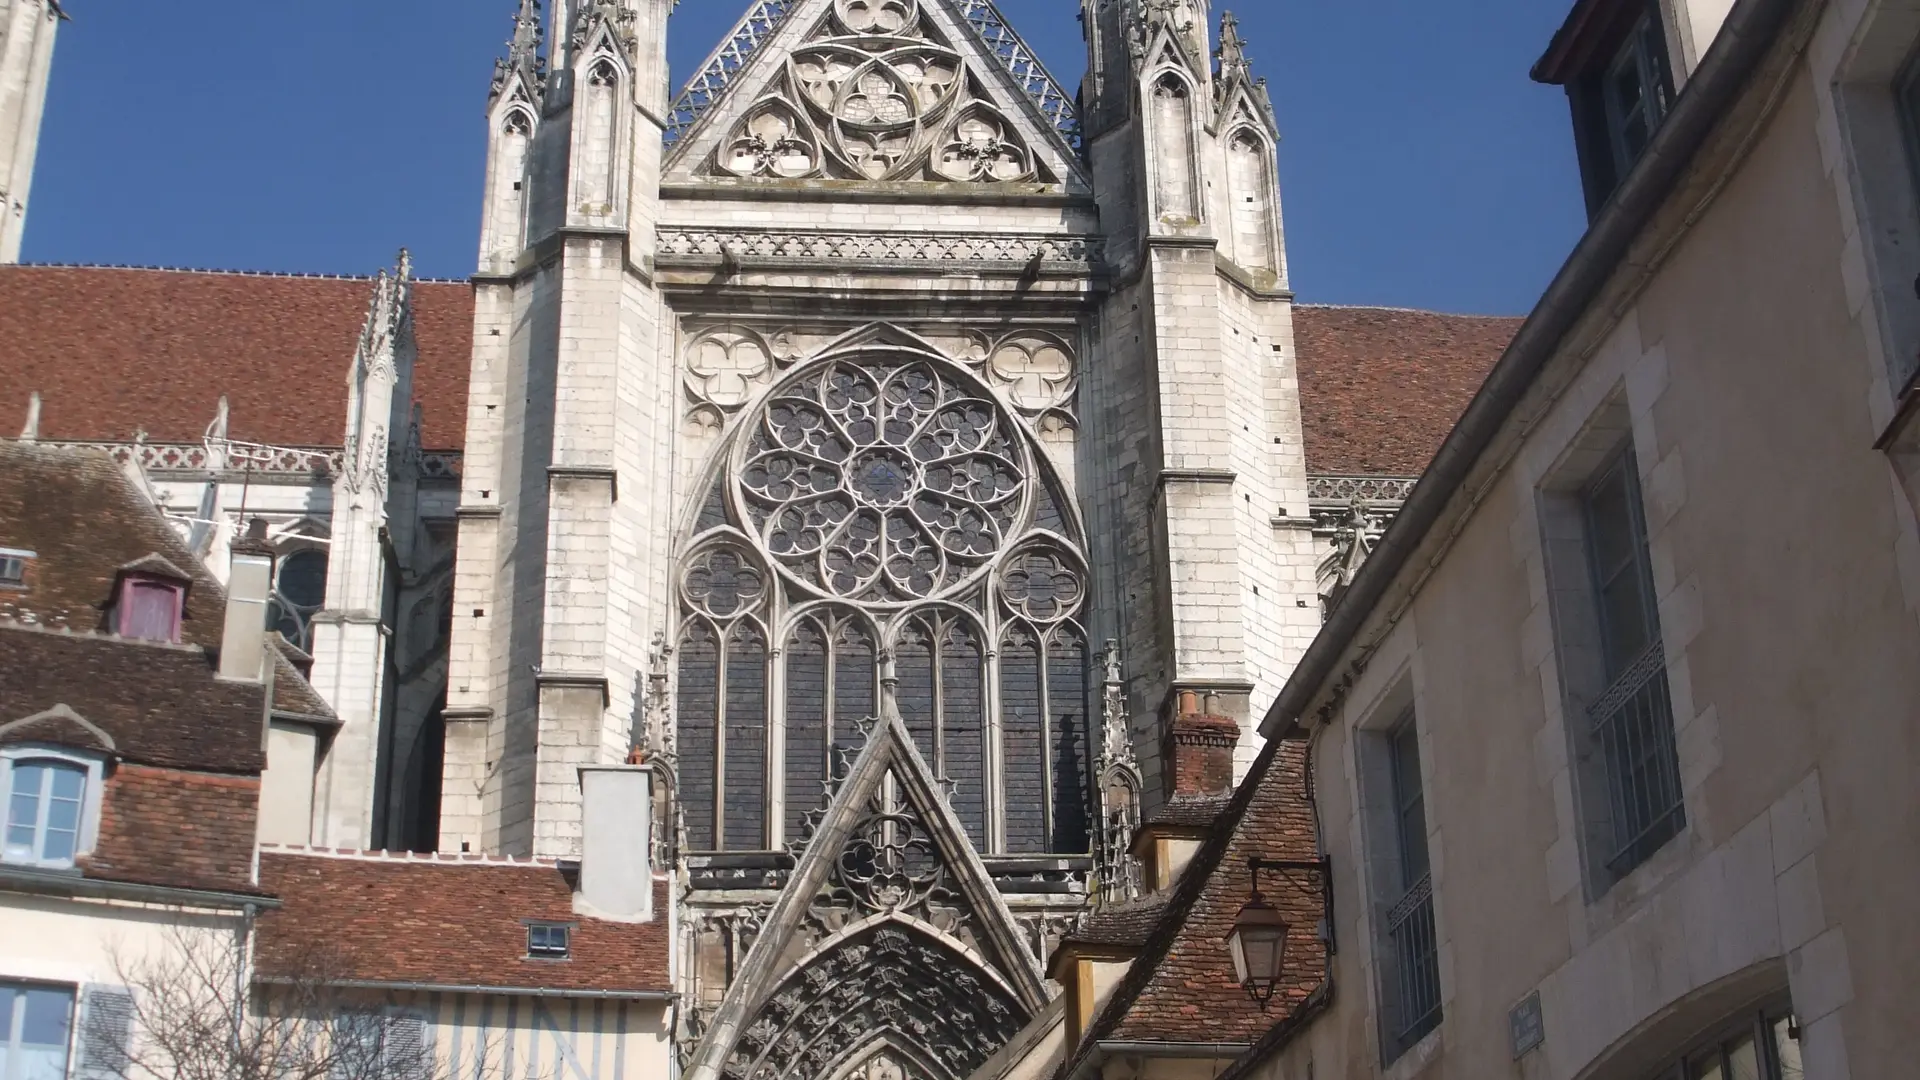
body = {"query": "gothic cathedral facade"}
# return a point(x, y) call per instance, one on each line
point(837, 434)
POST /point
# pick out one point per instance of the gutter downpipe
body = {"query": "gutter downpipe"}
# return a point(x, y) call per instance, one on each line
point(495, 991)
point(1104, 1049)
point(1744, 40)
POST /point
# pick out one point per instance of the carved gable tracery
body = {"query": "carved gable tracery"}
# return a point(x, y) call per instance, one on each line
point(875, 93)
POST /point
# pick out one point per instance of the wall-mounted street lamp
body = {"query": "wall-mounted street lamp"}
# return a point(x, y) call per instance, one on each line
point(1258, 940)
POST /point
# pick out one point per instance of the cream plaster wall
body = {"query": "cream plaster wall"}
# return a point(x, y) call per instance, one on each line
point(1748, 372)
point(77, 942)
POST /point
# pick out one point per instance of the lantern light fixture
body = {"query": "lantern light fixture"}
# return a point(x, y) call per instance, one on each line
point(1258, 940)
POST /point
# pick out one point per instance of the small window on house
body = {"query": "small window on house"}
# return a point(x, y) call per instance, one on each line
point(547, 941)
point(13, 568)
point(35, 1020)
point(149, 609)
point(1633, 718)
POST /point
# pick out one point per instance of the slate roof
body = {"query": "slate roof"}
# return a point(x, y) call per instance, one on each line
point(1380, 388)
point(1181, 989)
point(114, 349)
point(447, 920)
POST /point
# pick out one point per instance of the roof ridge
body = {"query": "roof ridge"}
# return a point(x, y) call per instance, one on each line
point(1409, 311)
point(441, 858)
point(211, 271)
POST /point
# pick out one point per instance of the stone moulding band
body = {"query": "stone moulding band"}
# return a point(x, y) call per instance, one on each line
point(301, 463)
point(705, 246)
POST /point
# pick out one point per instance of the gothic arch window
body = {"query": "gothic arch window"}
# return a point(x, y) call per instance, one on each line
point(894, 528)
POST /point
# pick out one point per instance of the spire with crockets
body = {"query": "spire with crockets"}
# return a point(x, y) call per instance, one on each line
point(524, 57)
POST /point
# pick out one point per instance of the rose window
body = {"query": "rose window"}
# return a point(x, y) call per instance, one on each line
point(882, 485)
point(884, 514)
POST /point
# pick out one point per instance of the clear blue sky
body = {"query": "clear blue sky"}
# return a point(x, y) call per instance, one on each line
point(1419, 166)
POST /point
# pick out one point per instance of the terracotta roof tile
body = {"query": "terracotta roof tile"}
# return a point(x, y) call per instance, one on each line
point(1191, 811)
point(180, 829)
point(112, 350)
point(1124, 925)
point(448, 921)
point(161, 704)
point(1182, 987)
point(1380, 388)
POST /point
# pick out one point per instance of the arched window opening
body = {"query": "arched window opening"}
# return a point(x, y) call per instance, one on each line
point(870, 499)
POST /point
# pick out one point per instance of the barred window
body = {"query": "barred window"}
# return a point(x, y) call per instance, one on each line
point(875, 509)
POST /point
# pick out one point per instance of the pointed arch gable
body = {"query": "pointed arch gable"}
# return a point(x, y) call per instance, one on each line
point(751, 65)
point(888, 752)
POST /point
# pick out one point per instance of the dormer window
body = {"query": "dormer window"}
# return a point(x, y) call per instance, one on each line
point(51, 806)
point(149, 597)
point(548, 941)
point(1611, 55)
point(149, 608)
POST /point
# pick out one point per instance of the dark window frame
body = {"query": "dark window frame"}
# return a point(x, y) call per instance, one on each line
point(1632, 718)
point(542, 943)
point(1604, 164)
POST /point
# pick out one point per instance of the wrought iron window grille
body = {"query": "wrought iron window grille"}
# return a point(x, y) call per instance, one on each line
point(1416, 950)
point(1634, 722)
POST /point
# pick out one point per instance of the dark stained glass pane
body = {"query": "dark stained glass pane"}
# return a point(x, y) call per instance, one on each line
point(913, 663)
point(963, 707)
point(713, 512)
point(1067, 710)
point(806, 752)
point(746, 775)
point(855, 676)
point(698, 715)
point(1023, 744)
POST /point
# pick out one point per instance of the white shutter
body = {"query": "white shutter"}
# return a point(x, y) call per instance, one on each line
point(106, 1033)
point(407, 1048)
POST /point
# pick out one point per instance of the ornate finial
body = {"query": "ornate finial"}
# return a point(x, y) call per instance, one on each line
point(405, 264)
point(597, 13)
point(1118, 871)
point(523, 53)
point(1232, 53)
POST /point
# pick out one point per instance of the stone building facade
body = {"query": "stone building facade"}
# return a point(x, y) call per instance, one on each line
point(903, 459)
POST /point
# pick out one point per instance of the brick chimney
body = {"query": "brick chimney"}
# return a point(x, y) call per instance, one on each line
point(1198, 750)
point(1197, 765)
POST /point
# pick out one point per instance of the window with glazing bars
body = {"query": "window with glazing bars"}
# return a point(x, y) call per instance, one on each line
point(1762, 1046)
point(1410, 925)
point(1633, 718)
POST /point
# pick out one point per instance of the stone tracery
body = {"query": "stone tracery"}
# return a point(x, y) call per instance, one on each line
point(874, 94)
point(885, 513)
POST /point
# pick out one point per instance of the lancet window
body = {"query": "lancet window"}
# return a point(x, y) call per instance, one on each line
point(896, 531)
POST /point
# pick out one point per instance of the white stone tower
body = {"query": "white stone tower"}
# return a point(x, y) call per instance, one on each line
point(562, 550)
point(26, 63)
point(1200, 512)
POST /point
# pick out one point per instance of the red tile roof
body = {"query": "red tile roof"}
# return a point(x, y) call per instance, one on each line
point(179, 829)
point(1182, 988)
point(1380, 388)
point(114, 350)
point(448, 920)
